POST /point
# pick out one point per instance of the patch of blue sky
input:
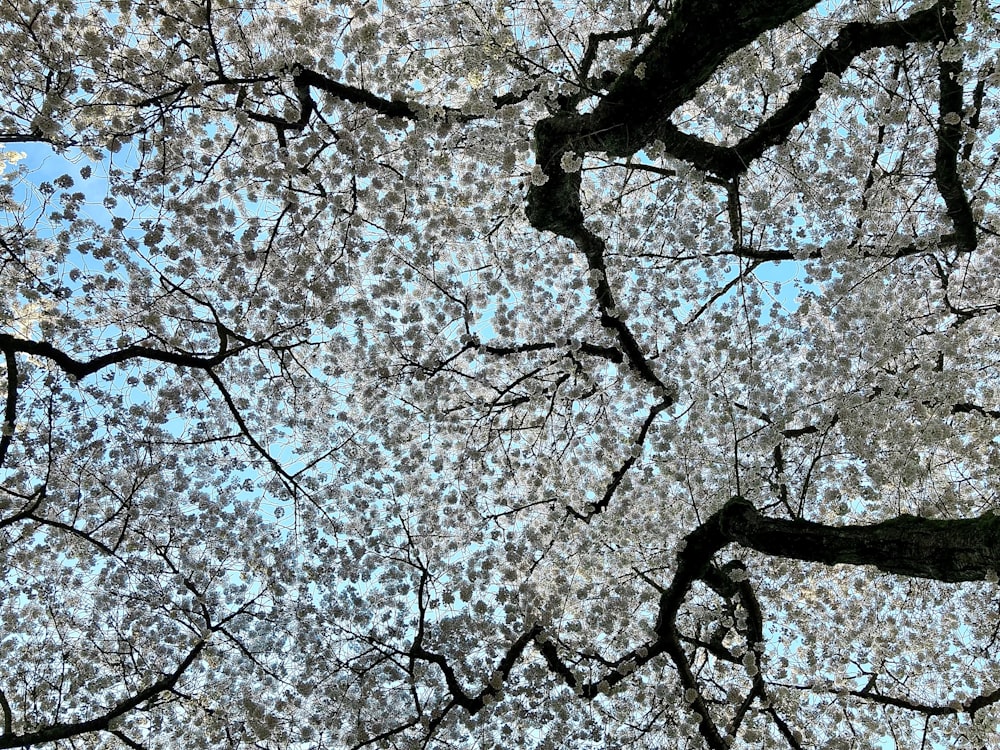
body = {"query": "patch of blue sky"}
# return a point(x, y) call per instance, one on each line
point(43, 165)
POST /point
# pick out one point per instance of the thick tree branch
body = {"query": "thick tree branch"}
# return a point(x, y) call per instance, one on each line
point(678, 59)
point(80, 369)
point(305, 80)
point(609, 353)
point(966, 549)
point(10, 405)
point(949, 141)
point(396, 108)
point(944, 550)
point(854, 39)
point(8, 719)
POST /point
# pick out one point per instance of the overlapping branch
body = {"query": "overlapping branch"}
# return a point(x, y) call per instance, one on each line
point(679, 58)
point(105, 721)
point(943, 550)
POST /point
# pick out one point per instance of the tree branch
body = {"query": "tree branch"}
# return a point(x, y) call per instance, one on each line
point(10, 405)
point(854, 39)
point(58, 732)
point(966, 549)
point(81, 369)
point(949, 141)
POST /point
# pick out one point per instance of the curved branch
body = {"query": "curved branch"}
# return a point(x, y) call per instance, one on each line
point(395, 108)
point(8, 721)
point(944, 550)
point(679, 58)
point(928, 25)
point(58, 732)
point(619, 474)
point(80, 369)
point(949, 141)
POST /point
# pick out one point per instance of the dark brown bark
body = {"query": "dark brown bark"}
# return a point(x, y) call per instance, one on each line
point(950, 550)
point(681, 57)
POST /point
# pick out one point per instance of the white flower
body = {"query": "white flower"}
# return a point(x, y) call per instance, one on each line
point(951, 52)
point(10, 157)
point(952, 118)
point(570, 162)
point(538, 177)
point(830, 79)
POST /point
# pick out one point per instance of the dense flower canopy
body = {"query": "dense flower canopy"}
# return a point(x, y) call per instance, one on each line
point(507, 373)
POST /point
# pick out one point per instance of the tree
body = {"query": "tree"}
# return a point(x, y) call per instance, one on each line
point(519, 374)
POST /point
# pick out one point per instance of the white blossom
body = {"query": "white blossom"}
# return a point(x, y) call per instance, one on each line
point(570, 162)
point(341, 401)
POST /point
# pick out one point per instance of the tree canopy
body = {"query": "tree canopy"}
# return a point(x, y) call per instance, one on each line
point(500, 373)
